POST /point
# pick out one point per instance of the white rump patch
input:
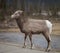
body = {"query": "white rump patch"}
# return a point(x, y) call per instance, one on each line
point(49, 25)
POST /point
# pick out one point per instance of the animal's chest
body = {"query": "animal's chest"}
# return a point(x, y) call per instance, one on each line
point(33, 26)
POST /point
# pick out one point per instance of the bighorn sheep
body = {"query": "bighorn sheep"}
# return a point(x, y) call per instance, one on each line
point(33, 26)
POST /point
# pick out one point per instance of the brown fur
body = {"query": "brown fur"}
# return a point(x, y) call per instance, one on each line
point(33, 26)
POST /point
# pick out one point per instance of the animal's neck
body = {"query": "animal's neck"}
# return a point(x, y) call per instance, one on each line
point(20, 22)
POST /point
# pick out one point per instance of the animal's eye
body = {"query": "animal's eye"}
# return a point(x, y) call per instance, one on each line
point(15, 14)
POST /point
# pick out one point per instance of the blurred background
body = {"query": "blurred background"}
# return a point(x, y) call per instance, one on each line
point(38, 9)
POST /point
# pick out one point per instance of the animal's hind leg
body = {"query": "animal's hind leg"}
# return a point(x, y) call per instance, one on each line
point(48, 38)
point(30, 37)
point(25, 40)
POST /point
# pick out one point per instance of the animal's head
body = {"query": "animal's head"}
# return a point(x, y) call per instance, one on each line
point(17, 14)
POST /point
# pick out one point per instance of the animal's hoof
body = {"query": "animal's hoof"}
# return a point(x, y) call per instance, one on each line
point(49, 49)
point(30, 47)
point(24, 47)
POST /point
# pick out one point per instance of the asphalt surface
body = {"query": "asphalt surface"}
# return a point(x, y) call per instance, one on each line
point(10, 39)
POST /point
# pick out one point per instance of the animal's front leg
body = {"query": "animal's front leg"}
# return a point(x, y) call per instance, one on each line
point(30, 37)
point(25, 40)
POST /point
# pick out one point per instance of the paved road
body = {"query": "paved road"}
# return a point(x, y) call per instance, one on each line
point(7, 48)
point(38, 41)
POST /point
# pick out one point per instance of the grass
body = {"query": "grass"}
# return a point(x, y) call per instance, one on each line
point(56, 28)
